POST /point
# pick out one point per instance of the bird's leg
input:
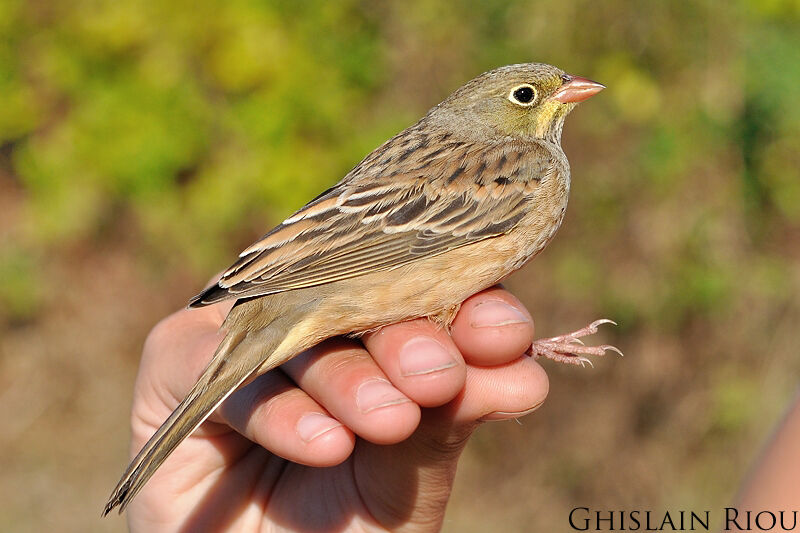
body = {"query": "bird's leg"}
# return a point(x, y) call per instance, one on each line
point(444, 318)
point(569, 348)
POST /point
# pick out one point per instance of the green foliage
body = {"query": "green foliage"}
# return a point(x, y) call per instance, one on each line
point(187, 117)
point(20, 293)
point(732, 405)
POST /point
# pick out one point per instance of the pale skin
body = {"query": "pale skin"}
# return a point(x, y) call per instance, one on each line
point(389, 415)
point(773, 484)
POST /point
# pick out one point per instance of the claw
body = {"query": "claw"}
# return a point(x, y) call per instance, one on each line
point(613, 349)
point(600, 322)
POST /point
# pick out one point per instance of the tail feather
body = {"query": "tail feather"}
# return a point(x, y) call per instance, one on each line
point(238, 356)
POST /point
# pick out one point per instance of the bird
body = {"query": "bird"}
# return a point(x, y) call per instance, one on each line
point(446, 208)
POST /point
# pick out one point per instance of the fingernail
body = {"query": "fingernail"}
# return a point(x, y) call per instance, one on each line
point(423, 355)
point(377, 393)
point(312, 425)
point(494, 313)
point(505, 415)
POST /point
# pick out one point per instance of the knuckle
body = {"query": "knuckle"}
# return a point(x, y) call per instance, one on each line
point(161, 332)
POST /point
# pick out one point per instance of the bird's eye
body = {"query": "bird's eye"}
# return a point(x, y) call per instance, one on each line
point(524, 95)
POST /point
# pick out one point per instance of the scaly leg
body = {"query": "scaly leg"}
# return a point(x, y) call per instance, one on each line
point(569, 348)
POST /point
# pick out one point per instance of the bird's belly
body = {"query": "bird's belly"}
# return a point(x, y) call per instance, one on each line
point(435, 284)
point(423, 288)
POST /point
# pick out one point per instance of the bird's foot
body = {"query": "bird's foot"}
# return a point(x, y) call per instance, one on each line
point(569, 348)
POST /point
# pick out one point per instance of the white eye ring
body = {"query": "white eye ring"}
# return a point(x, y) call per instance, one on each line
point(519, 99)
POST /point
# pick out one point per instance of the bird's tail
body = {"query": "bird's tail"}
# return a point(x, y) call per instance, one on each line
point(238, 356)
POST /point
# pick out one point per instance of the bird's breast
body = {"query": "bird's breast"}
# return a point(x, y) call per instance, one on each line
point(548, 206)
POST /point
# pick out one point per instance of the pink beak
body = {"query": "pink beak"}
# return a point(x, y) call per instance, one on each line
point(576, 90)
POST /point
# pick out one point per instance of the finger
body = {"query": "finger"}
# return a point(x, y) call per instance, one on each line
point(420, 359)
point(492, 327)
point(272, 412)
point(501, 392)
point(343, 378)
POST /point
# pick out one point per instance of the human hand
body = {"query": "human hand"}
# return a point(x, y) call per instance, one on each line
point(389, 417)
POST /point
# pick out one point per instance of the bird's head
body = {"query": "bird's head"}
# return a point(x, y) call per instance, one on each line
point(528, 100)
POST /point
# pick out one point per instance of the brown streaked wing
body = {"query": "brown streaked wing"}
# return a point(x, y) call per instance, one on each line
point(434, 205)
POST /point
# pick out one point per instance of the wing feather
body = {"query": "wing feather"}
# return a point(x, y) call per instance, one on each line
point(378, 219)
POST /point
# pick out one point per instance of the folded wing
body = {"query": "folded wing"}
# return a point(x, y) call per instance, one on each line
point(423, 202)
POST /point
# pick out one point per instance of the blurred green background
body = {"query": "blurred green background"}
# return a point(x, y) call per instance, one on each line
point(143, 144)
